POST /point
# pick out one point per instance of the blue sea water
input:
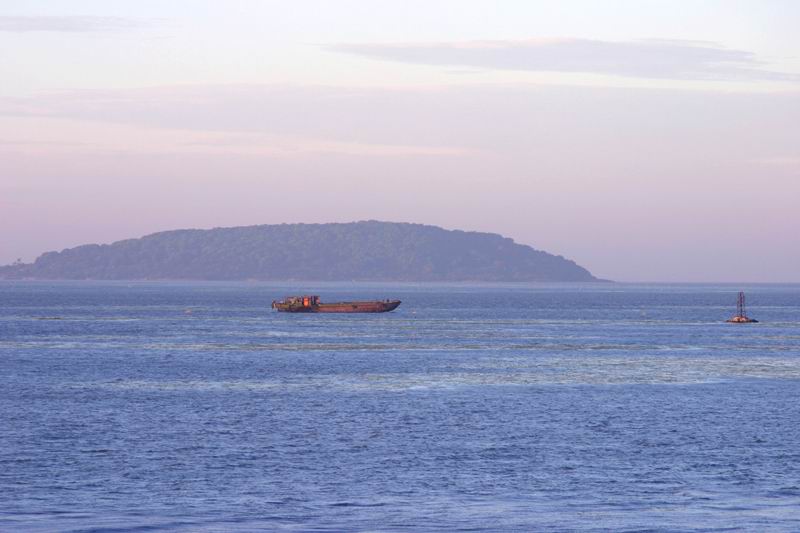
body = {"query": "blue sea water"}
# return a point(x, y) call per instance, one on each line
point(599, 407)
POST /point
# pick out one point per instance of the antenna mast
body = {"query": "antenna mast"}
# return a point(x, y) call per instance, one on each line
point(741, 317)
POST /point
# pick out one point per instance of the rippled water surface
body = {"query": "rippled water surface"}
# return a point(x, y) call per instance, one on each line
point(601, 407)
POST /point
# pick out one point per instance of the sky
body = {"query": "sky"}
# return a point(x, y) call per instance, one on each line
point(646, 140)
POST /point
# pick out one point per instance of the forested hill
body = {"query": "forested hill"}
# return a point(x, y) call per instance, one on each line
point(375, 251)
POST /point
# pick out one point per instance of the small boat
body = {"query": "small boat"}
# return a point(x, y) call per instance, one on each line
point(311, 304)
point(741, 317)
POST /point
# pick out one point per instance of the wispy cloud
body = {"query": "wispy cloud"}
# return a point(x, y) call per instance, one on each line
point(70, 24)
point(661, 59)
point(244, 120)
point(536, 123)
point(779, 161)
point(47, 144)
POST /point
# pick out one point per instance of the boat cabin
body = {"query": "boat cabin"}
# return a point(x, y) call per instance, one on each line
point(307, 301)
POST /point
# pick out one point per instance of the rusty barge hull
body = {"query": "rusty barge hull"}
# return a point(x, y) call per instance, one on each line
point(311, 304)
point(357, 307)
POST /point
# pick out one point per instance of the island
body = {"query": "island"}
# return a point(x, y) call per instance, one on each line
point(355, 251)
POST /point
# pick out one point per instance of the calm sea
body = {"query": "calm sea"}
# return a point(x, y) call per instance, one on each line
point(194, 407)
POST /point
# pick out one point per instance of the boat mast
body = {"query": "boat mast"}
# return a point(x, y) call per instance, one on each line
point(740, 305)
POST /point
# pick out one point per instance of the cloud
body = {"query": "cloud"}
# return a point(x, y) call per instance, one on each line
point(659, 59)
point(547, 128)
point(71, 24)
point(233, 119)
point(779, 161)
point(39, 143)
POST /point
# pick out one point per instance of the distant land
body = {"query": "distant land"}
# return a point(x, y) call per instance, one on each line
point(356, 251)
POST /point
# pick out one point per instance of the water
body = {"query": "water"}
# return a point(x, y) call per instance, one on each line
point(194, 407)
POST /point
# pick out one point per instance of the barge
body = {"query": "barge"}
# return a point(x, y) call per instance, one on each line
point(312, 304)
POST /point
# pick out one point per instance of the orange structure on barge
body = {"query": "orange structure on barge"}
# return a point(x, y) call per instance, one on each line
point(311, 304)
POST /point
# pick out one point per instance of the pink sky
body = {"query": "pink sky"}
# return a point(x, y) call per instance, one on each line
point(670, 157)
